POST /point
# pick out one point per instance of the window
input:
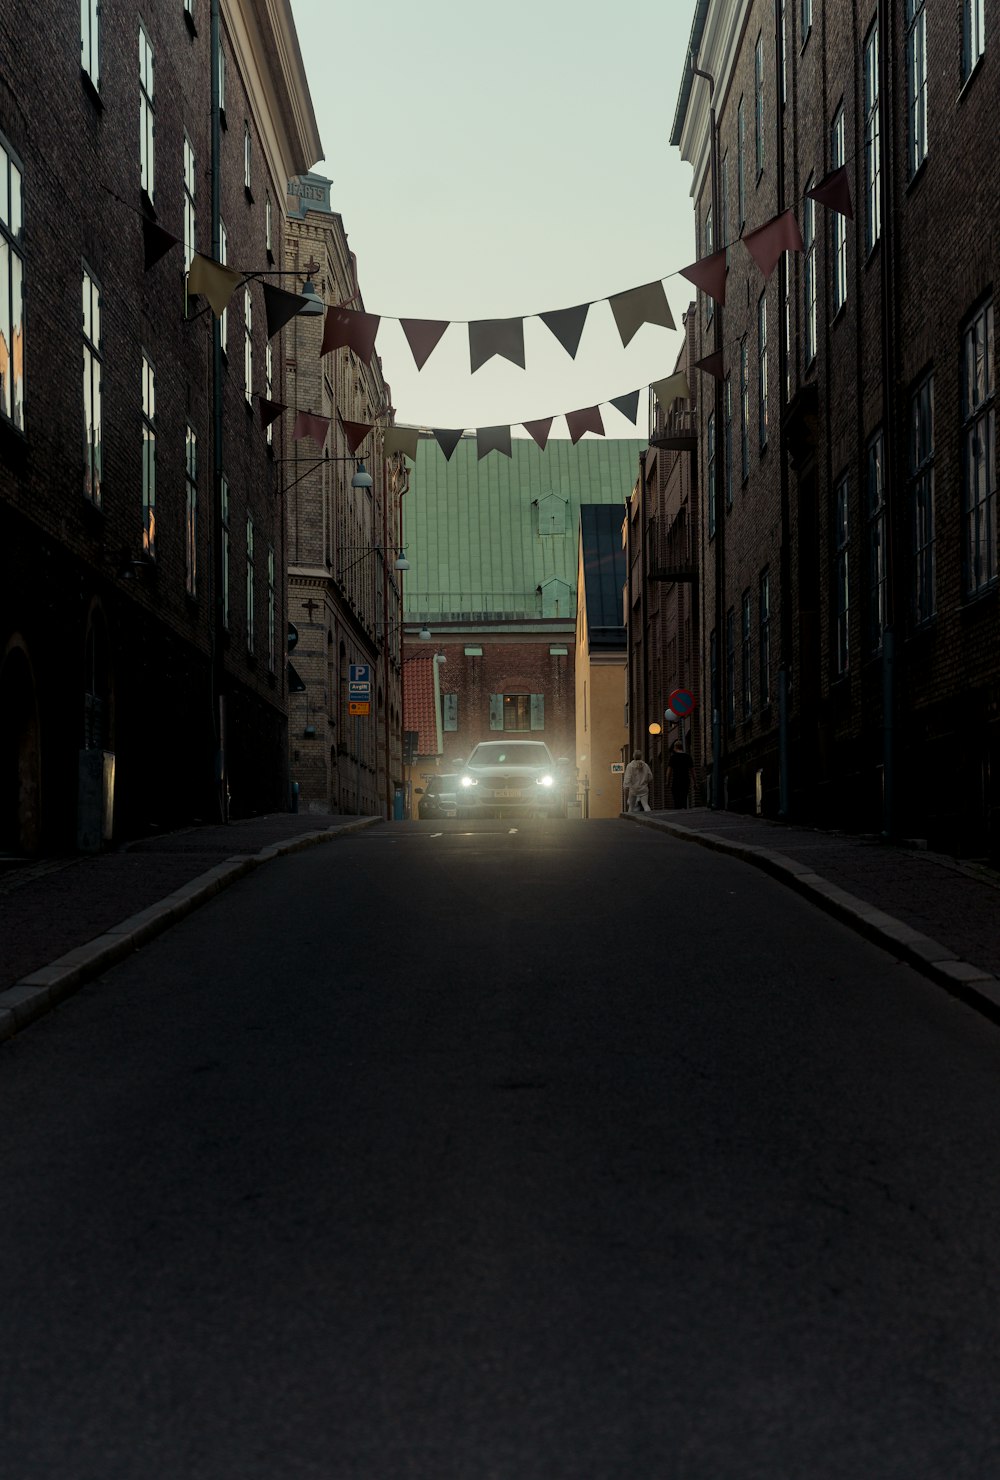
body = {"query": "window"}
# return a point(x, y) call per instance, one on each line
point(916, 76)
point(11, 291)
point(250, 585)
point(713, 670)
point(147, 174)
point(710, 489)
point(558, 652)
point(449, 712)
point(90, 40)
point(148, 456)
point(809, 278)
point(979, 452)
point(724, 205)
point(807, 19)
point(248, 346)
point(473, 652)
point(222, 86)
point(745, 408)
point(973, 34)
point(786, 309)
point(764, 636)
point(247, 158)
point(762, 369)
point(784, 53)
point(517, 711)
point(841, 579)
point(746, 660)
point(224, 504)
point(728, 409)
point(270, 607)
point(758, 103)
point(875, 533)
point(921, 458)
point(93, 454)
point(731, 668)
point(873, 201)
point(190, 239)
point(838, 222)
point(223, 258)
point(741, 184)
point(269, 386)
point(191, 512)
point(709, 249)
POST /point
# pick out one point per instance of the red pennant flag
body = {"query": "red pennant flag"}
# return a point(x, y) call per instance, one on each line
point(767, 243)
point(447, 439)
point(834, 192)
point(587, 420)
point(308, 425)
point(709, 274)
point(269, 410)
point(345, 328)
point(539, 430)
point(712, 365)
point(355, 432)
point(422, 336)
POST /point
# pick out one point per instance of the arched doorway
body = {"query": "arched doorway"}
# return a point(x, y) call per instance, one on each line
point(20, 755)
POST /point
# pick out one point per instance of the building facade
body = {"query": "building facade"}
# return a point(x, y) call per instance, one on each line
point(851, 576)
point(142, 672)
point(601, 661)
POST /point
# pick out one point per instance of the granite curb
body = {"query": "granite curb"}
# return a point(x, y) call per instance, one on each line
point(44, 989)
point(963, 979)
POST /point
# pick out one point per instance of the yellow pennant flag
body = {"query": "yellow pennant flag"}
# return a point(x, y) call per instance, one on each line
point(213, 281)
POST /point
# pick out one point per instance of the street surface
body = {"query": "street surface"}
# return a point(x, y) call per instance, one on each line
point(502, 1151)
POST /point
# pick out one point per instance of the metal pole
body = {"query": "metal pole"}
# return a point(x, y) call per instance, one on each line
point(357, 765)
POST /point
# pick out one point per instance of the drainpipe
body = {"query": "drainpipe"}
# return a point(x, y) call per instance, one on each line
point(218, 627)
point(785, 552)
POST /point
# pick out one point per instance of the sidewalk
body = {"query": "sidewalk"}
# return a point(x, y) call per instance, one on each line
point(64, 920)
point(940, 914)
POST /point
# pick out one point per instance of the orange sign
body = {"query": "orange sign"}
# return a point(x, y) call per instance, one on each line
point(358, 706)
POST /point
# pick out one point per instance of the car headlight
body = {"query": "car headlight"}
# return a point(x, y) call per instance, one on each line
point(545, 780)
point(469, 781)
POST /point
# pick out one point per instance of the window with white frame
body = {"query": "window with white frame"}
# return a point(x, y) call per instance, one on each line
point(758, 102)
point(979, 450)
point(873, 147)
point(973, 34)
point(222, 86)
point(709, 249)
point(875, 538)
point(724, 205)
point(268, 240)
point(90, 40)
point(727, 403)
point(741, 183)
point(247, 158)
point(147, 114)
point(807, 19)
point(746, 673)
point(148, 456)
point(921, 460)
point(250, 585)
point(190, 220)
point(916, 84)
point(191, 511)
point(786, 310)
point(841, 578)
point(226, 548)
point(224, 259)
point(784, 53)
point(93, 455)
point(269, 387)
point(744, 408)
point(248, 346)
point(838, 226)
point(710, 485)
point(271, 608)
point(762, 369)
point(764, 636)
point(809, 279)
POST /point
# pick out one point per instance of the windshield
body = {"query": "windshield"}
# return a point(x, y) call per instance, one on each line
point(513, 753)
point(442, 783)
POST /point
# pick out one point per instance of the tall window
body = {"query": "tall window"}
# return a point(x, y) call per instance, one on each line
point(710, 492)
point(11, 291)
point(784, 53)
point(921, 457)
point(90, 40)
point(875, 537)
point(226, 550)
point(746, 673)
point(247, 158)
point(728, 406)
point(809, 279)
point(250, 584)
point(731, 667)
point(841, 578)
point(916, 80)
point(764, 619)
point(148, 456)
point(713, 668)
point(745, 408)
point(709, 249)
point(222, 84)
point(248, 346)
point(724, 205)
point(838, 220)
point(973, 34)
point(758, 103)
point(741, 184)
point(93, 455)
point(762, 369)
point(147, 174)
point(268, 240)
point(873, 201)
point(190, 223)
point(807, 19)
point(191, 512)
point(270, 607)
point(979, 488)
point(223, 258)
point(269, 386)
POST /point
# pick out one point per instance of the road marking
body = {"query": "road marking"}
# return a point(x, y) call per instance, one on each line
point(511, 831)
point(437, 835)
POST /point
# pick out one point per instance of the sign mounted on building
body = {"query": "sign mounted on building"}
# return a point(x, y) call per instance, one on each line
point(618, 768)
point(680, 704)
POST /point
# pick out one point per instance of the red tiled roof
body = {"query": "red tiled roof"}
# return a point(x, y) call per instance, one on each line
point(418, 702)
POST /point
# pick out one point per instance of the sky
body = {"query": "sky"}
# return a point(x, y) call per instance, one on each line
point(493, 162)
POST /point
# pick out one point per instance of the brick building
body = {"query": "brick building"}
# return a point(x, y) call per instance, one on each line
point(141, 534)
point(601, 660)
point(344, 536)
point(851, 596)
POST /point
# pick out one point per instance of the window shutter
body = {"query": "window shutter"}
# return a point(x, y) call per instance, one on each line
point(450, 711)
point(496, 711)
point(538, 711)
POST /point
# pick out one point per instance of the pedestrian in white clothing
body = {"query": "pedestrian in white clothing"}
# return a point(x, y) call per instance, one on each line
point(637, 779)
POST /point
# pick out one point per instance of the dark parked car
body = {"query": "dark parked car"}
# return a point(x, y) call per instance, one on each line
point(438, 799)
point(512, 778)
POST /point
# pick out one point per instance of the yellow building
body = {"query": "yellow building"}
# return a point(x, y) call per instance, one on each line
point(601, 673)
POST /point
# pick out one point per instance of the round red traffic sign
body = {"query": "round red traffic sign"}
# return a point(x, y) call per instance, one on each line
point(680, 703)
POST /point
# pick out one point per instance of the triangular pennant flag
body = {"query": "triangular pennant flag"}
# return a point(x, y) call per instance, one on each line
point(308, 425)
point(709, 274)
point(712, 365)
point(628, 406)
point(402, 439)
point(156, 242)
point(668, 390)
point(279, 307)
point(346, 328)
point(834, 192)
point(422, 336)
point(567, 325)
point(213, 281)
point(489, 337)
point(355, 432)
point(645, 305)
point(492, 439)
point(269, 410)
point(587, 420)
point(539, 430)
point(767, 243)
point(447, 439)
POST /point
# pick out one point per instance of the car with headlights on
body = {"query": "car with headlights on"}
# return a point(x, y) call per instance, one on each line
point(511, 778)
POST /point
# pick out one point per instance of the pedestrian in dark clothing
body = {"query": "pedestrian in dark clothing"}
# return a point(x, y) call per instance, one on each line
point(680, 772)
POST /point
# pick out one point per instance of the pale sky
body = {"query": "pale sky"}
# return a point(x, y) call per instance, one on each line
point(506, 165)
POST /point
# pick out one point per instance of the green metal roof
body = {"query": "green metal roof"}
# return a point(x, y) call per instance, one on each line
point(474, 530)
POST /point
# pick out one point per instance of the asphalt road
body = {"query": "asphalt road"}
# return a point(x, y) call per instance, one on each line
point(552, 1151)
